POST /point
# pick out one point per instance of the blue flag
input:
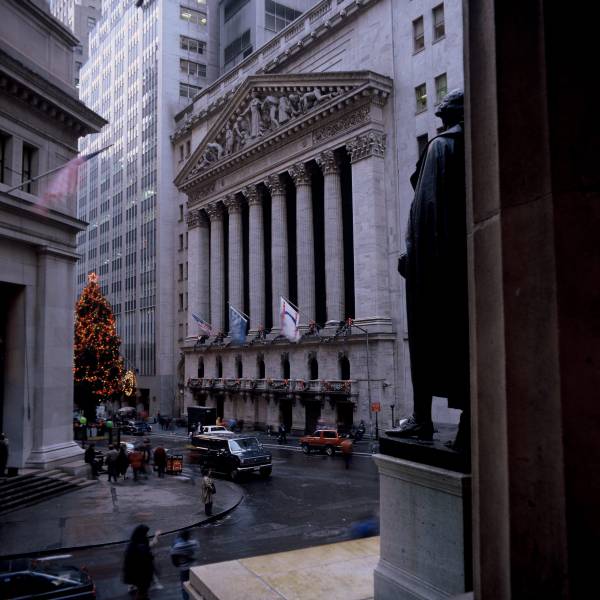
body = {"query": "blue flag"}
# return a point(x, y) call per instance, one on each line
point(237, 325)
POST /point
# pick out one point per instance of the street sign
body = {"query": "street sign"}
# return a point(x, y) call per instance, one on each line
point(376, 407)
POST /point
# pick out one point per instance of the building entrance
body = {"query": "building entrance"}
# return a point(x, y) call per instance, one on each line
point(285, 414)
point(313, 414)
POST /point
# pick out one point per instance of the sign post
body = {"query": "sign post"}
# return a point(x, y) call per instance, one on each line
point(376, 408)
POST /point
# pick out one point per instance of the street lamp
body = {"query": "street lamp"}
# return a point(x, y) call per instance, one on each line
point(393, 422)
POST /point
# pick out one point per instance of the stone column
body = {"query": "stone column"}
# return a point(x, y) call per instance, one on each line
point(371, 288)
point(279, 244)
point(198, 269)
point(334, 240)
point(304, 242)
point(236, 252)
point(256, 249)
point(217, 281)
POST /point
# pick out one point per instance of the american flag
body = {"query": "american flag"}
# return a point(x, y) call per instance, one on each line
point(203, 326)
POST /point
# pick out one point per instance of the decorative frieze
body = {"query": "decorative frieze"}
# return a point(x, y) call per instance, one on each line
point(344, 123)
point(366, 145)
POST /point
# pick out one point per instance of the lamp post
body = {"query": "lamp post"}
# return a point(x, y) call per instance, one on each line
point(393, 422)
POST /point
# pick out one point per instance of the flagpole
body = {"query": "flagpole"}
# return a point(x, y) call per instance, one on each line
point(295, 308)
point(16, 187)
point(238, 310)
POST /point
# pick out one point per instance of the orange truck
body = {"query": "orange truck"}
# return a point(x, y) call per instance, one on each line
point(322, 440)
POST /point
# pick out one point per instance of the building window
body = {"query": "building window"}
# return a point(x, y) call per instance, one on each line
point(418, 35)
point(191, 44)
point(313, 368)
point(239, 47)
point(421, 97)
point(91, 23)
point(188, 91)
point(261, 369)
point(439, 29)
point(344, 368)
point(180, 152)
point(3, 156)
point(188, 148)
point(189, 67)
point(27, 167)
point(278, 16)
point(219, 367)
point(192, 16)
point(181, 212)
point(232, 7)
point(239, 367)
point(200, 368)
point(180, 271)
point(180, 301)
point(422, 141)
point(441, 87)
point(181, 241)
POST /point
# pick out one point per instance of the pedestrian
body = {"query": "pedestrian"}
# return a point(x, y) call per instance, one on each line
point(282, 434)
point(138, 566)
point(346, 446)
point(208, 490)
point(136, 460)
point(90, 458)
point(183, 553)
point(160, 460)
point(3, 453)
point(122, 461)
point(112, 457)
point(147, 449)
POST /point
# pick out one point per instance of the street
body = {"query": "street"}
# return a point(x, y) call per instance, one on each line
point(308, 500)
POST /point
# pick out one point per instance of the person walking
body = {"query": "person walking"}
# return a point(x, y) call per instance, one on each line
point(160, 460)
point(208, 490)
point(138, 566)
point(90, 458)
point(112, 457)
point(122, 461)
point(147, 449)
point(3, 453)
point(136, 460)
point(282, 434)
point(183, 553)
point(347, 449)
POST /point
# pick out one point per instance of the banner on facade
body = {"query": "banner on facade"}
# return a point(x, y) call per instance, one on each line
point(237, 325)
point(290, 318)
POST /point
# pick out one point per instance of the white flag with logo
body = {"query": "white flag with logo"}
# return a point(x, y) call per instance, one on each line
point(289, 320)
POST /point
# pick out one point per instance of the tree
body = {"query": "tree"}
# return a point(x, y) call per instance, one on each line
point(98, 367)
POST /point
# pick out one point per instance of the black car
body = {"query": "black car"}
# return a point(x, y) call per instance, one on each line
point(232, 455)
point(39, 580)
point(137, 428)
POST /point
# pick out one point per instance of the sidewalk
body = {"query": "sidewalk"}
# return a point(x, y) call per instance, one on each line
point(107, 514)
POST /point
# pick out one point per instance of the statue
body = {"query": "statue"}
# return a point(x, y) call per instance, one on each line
point(284, 109)
point(240, 133)
point(435, 269)
point(295, 104)
point(313, 98)
point(254, 108)
point(272, 103)
point(229, 139)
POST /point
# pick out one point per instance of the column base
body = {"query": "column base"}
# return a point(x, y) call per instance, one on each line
point(431, 559)
point(49, 457)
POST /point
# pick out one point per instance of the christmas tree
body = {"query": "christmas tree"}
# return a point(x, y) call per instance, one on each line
point(98, 367)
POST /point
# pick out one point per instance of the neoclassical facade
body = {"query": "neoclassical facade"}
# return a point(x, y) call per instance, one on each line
point(293, 190)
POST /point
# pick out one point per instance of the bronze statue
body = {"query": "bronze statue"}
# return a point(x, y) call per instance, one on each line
point(435, 269)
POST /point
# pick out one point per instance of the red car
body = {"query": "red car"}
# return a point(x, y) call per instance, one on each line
point(323, 440)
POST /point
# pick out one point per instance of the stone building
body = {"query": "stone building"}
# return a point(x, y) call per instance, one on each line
point(40, 123)
point(298, 186)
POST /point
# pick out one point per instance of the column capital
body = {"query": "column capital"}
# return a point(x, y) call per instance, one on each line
point(196, 218)
point(275, 185)
point(214, 211)
point(232, 203)
point(251, 194)
point(299, 173)
point(366, 145)
point(328, 163)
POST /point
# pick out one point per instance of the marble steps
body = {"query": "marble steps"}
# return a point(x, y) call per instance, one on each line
point(25, 490)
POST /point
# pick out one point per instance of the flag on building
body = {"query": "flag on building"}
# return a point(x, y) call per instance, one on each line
point(237, 325)
point(203, 326)
point(290, 319)
point(64, 184)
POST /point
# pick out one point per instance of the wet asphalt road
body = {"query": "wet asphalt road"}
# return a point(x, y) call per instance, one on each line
point(308, 500)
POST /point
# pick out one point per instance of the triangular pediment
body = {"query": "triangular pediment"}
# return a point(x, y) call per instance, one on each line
point(266, 108)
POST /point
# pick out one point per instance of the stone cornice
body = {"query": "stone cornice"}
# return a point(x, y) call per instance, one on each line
point(29, 87)
point(371, 143)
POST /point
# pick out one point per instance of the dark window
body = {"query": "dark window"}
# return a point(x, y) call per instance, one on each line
point(418, 35)
point(329, 434)
point(219, 367)
point(285, 367)
point(313, 367)
point(3, 156)
point(200, 368)
point(27, 167)
point(239, 46)
point(344, 368)
point(232, 7)
point(240, 368)
point(439, 28)
point(261, 369)
point(278, 16)
point(189, 67)
point(441, 87)
point(192, 44)
point(421, 97)
point(188, 91)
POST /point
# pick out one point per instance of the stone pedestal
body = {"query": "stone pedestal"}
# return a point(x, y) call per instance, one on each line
point(425, 531)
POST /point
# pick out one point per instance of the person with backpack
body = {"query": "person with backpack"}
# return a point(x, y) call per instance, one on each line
point(182, 554)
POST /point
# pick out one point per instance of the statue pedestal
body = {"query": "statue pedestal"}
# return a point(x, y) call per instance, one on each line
point(425, 531)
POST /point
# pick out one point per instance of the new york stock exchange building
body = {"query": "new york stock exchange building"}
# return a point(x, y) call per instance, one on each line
point(297, 187)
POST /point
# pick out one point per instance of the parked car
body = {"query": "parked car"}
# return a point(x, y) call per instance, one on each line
point(323, 440)
point(40, 579)
point(231, 455)
point(219, 429)
point(136, 428)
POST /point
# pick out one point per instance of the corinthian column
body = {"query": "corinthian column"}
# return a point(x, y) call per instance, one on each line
point(256, 249)
point(217, 281)
point(304, 241)
point(279, 244)
point(236, 256)
point(334, 241)
point(198, 268)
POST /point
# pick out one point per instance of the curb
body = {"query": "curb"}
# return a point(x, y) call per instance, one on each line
point(205, 521)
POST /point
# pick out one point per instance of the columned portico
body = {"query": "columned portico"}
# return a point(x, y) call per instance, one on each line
point(257, 258)
point(279, 244)
point(217, 279)
point(334, 242)
point(198, 268)
point(304, 242)
point(236, 256)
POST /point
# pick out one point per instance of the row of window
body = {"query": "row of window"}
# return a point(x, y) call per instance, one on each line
point(438, 29)
point(240, 47)
point(29, 159)
point(192, 16)
point(278, 16)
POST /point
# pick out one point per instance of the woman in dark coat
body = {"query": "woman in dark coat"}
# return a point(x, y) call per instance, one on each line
point(122, 461)
point(138, 568)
